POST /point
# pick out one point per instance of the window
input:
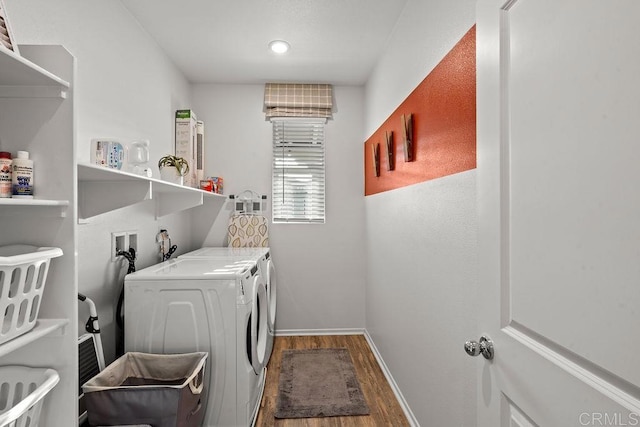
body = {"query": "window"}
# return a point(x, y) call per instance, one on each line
point(298, 170)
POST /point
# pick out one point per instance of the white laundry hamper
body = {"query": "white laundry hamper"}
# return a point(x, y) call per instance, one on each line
point(160, 390)
point(23, 273)
point(22, 393)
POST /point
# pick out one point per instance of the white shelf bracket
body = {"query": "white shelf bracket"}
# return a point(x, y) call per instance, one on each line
point(168, 203)
point(98, 197)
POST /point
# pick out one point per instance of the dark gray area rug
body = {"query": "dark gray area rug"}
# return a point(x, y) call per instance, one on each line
point(318, 382)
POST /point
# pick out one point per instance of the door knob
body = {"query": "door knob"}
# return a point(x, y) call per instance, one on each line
point(484, 347)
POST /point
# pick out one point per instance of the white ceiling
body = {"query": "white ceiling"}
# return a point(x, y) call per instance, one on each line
point(225, 41)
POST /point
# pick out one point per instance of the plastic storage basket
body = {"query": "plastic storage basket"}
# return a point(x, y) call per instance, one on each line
point(22, 391)
point(161, 390)
point(23, 273)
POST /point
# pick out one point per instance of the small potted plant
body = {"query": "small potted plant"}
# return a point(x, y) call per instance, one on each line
point(173, 168)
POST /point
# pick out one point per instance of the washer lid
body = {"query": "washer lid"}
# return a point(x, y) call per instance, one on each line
point(193, 269)
point(214, 252)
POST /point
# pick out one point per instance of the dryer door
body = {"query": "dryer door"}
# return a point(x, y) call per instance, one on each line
point(258, 324)
point(271, 294)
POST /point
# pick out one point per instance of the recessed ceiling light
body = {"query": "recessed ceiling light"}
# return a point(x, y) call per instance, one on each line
point(279, 46)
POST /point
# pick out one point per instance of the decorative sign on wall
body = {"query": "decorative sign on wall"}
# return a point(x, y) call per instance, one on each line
point(407, 131)
point(436, 125)
point(390, 151)
point(375, 158)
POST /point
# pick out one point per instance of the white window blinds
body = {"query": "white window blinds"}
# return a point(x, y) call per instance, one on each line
point(298, 170)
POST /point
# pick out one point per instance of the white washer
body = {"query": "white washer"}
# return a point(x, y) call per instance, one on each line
point(186, 305)
point(267, 270)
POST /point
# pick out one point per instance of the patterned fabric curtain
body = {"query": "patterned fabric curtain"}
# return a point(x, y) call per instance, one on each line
point(298, 100)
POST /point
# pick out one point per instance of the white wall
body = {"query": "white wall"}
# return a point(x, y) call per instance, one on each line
point(419, 242)
point(125, 88)
point(421, 239)
point(319, 266)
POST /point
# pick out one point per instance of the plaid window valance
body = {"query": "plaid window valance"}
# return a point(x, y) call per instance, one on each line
point(298, 100)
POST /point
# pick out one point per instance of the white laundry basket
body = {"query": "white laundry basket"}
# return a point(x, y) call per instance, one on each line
point(22, 391)
point(23, 273)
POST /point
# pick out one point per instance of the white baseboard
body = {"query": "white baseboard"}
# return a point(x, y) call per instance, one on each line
point(310, 332)
point(383, 366)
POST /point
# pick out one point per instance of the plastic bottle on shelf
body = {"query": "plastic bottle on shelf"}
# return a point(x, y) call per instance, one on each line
point(6, 189)
point(22, 176)
point(138, 158)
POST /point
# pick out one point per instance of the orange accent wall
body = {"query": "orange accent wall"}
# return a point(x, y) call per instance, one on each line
point(444, 125)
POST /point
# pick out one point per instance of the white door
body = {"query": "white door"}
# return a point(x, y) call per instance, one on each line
point(559, 211)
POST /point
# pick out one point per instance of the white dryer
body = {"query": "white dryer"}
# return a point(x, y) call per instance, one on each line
point(267, 270)
point(186, 305)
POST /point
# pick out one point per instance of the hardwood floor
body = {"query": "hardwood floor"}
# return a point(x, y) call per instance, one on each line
point(384, 407)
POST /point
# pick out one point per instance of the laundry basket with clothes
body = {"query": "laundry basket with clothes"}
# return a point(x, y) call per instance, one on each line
point(161, 390)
